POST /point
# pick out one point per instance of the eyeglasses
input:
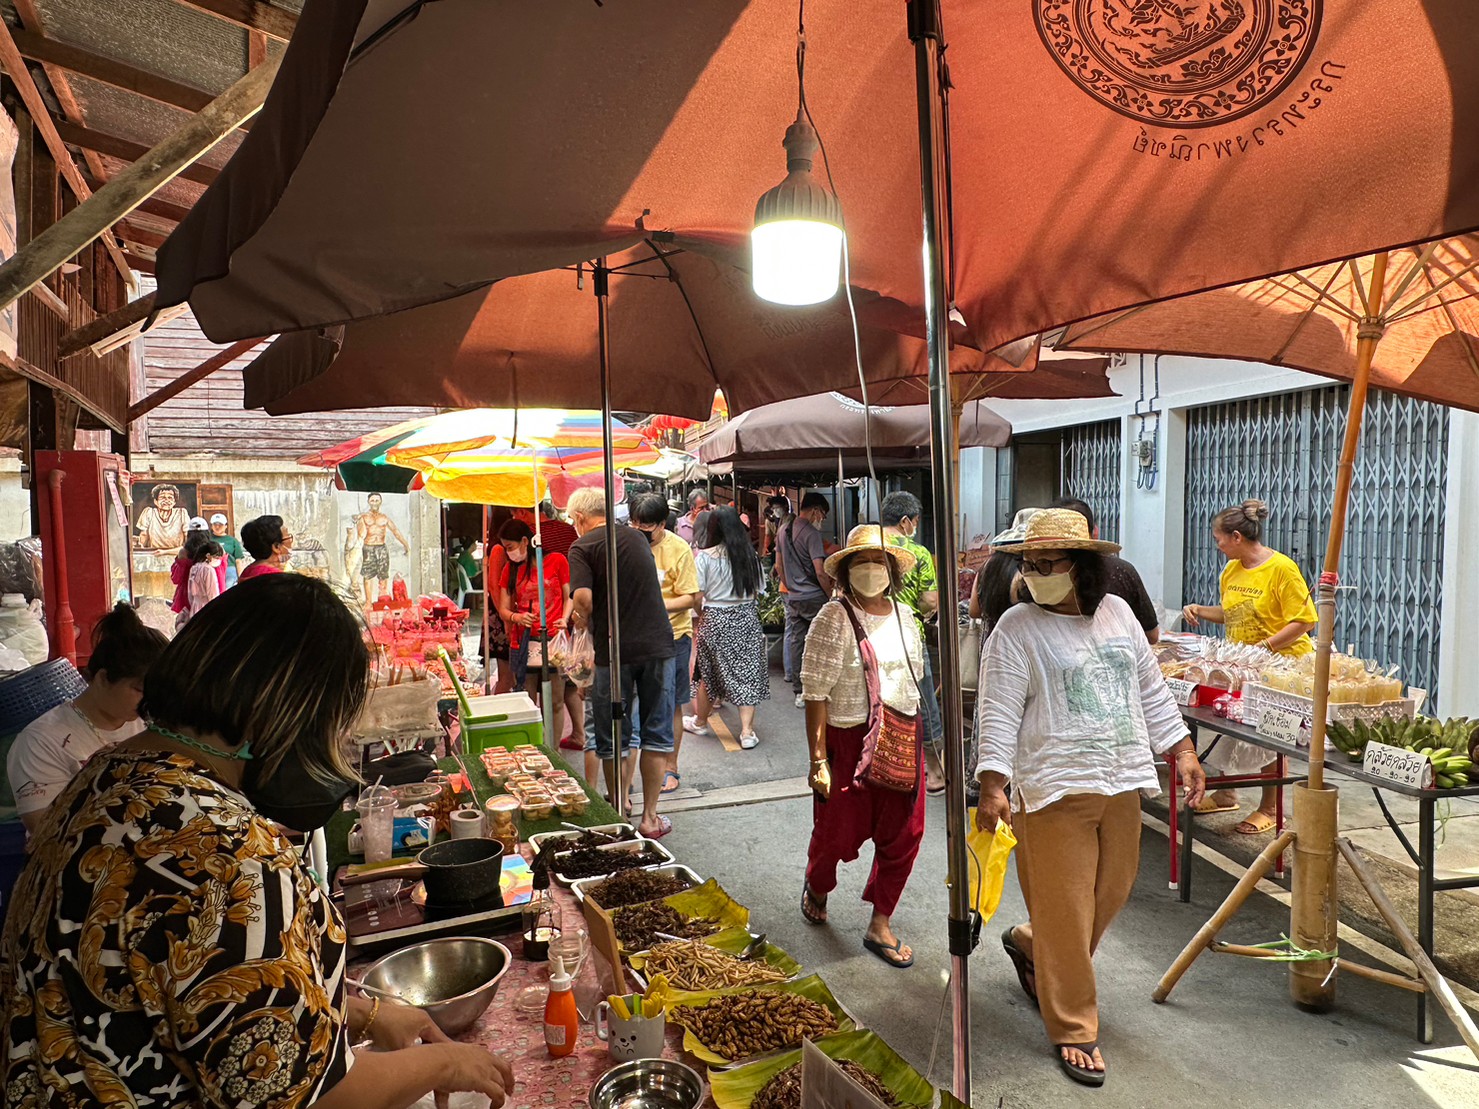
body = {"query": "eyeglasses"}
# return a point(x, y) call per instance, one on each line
point(1044, 567)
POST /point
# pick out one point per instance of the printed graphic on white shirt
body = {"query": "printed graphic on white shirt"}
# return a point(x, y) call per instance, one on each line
point(1098, 692)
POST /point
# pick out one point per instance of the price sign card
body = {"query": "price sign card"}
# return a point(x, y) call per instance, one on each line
point(1281, 724)
point(1399, 765)
point(1181, 689)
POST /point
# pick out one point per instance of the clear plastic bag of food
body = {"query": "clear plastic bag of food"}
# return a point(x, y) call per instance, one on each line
point(580, 662)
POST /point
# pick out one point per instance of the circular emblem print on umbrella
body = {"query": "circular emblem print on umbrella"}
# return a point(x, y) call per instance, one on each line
point(1181, 65)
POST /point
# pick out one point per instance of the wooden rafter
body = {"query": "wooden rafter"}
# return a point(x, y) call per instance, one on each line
point(256, 48)
point(190, 377)
point(130, 186)
point(271, 21)
point(104, 327)
point(61, 85)
point(14, 64)
point(163, 209)
point(139, 236)
point(109, 71)
point(85, 138)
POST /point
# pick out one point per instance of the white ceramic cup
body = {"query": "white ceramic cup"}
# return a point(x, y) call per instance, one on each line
point(467, 824)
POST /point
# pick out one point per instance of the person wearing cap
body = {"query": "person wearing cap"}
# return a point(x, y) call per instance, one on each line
point(1072, 711)
point(197, 536)
point(996, 587)
point(860, 676)
point(235, 552)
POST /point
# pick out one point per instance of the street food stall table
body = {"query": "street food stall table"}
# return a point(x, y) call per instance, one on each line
point(1423, 856)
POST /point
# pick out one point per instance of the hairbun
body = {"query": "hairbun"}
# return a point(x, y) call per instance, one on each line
point(1255, 509)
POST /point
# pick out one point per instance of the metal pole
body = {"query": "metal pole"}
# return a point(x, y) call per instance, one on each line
point(546, 703)
point(925, 33)
point(487, 600)
point(618, 709)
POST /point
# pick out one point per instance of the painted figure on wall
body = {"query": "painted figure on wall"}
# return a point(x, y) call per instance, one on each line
point(370, 528)
point(161, 523)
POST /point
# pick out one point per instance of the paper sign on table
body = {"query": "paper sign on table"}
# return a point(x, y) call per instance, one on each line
point(1181, 690)
point(1398, 764)
point(1281, 725)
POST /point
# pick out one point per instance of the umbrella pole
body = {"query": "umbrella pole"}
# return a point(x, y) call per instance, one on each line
point(602, 285)
point(1313, 903)
point(546, 703)
point(487, 600)
point(925, 33)
point(837, 497)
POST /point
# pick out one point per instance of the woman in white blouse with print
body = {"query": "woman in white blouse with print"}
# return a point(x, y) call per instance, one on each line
point(848, 697)
point(1072, 713)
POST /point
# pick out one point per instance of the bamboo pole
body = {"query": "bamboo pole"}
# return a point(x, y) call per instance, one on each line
point(1436, 983)
point(135, 184)
point(1208, 932)
point(1368, 334)
point(1401, 981)
point(1313, 906)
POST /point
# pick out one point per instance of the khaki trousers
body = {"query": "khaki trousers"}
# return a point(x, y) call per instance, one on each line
point(1076, 861)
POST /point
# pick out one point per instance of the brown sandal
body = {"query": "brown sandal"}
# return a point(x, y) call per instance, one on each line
point(1257, 823)
point(813, 908)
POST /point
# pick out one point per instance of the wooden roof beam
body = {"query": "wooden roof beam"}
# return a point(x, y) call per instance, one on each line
point(190, 377)
point(163, 209)
point(15, 65)
point(30, 17)
point(253, 15)
point(87, 139)
point(53, 246)
point(109, 71)
point(105, 327)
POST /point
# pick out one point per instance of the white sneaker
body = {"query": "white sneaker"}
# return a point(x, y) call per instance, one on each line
point(693, 727)
point(800, 701)
point(749, 740)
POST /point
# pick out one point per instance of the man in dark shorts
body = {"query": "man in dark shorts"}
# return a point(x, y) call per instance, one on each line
point(800, 552)
point(1124, 579)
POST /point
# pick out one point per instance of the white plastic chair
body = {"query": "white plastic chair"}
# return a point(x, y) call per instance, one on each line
point(465, 589)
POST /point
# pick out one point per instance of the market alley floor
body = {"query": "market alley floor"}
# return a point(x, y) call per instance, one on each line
point(1229, 1035)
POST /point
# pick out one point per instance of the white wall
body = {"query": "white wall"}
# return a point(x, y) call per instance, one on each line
point(977, 494)
point(15, 502)
point(1458, 662)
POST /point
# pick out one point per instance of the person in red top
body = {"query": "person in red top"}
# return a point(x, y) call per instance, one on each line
point(269, 545)
point(555, 535)
point(518, 604)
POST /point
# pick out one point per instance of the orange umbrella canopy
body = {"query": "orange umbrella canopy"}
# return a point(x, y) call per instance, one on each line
point(1104, 153)
point(1427, 319)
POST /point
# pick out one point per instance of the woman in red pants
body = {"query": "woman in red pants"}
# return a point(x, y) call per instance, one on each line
point(859, 675)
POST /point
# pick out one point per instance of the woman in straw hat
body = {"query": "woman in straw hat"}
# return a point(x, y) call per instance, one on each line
point(1072, 711)
point(860, 679)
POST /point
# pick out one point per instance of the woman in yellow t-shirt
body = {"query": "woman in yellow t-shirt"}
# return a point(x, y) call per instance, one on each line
point(1265, 600)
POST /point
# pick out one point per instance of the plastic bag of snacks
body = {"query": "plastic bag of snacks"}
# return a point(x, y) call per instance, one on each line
point(580, 662)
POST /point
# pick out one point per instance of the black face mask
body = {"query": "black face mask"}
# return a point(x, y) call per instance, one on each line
point(292, 796)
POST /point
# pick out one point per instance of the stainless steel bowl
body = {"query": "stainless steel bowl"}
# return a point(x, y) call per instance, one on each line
point(648, 1084)
point(454, 979)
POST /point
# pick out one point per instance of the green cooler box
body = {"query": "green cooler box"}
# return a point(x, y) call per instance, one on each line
point(500, 720)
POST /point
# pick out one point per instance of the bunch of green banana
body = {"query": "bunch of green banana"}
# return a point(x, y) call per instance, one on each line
point(1446, 743)
point(1346, 739)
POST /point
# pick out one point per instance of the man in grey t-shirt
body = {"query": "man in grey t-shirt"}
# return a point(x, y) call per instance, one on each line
point(800, 553)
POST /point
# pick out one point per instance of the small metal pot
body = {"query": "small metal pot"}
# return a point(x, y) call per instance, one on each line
point(648, 1084)
point(462, 871)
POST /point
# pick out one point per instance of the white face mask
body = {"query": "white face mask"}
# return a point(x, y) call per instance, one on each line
point(1053, 589)
point(868, 579)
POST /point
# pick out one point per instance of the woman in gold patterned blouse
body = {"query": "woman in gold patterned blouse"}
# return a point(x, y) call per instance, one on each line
point(165, 946)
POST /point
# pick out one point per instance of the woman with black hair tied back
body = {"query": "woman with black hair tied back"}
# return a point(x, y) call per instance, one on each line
point(56, 745)
point(730, 647)
point(165, 944)
point(1072, 711)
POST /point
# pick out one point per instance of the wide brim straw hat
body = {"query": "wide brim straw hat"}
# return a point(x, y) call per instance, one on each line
point(1059, 529)
point(1018, 531)
point(869, 537)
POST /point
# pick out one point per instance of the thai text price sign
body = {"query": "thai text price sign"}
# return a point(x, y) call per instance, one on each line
point(1399, 765)
point(1181, 689)
point(1281, 725)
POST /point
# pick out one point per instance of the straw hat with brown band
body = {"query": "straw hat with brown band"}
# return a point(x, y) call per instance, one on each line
point(869, 537)
point(1058, 529)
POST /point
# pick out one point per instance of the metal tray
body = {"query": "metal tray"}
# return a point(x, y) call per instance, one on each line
point(580, 885)
point(626, 845)
point(539, 839)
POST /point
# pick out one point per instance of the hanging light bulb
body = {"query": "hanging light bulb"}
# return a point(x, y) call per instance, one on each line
point(796, 245)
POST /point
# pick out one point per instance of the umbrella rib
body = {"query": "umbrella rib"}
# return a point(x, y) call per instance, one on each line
point(1413, 308)
point(683, 292)
point(1108, 320)
point(1463, 336)
point(1323, 297)
point(1360, 287)
point(1419, 267)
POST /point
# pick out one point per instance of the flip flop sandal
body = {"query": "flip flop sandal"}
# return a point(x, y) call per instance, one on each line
point(1021, 962)
point(673, 777)
point(881, 950)
point(1207, 806)
point(1257, 824)
point(664, 826)
point(813, 908)
point(1085, 1075)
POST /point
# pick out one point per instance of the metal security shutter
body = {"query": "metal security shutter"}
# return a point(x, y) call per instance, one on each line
point(1283, 450)
point(1093, 471)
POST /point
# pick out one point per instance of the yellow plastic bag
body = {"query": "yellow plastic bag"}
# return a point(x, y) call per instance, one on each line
point(988, 873)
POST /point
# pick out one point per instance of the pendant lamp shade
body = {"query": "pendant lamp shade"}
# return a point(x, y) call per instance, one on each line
point(796, 245)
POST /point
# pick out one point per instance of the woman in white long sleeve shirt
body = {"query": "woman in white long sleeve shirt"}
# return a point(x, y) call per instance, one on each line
point(1072, 712)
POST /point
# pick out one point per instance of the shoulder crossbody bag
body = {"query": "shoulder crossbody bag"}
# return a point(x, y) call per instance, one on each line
point(894, 742)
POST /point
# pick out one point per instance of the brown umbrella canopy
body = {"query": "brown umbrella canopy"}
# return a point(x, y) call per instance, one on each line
point(1104, 153)
point(680, 326)
point(1053, 377)
point(1310, 320)
point(814, 430)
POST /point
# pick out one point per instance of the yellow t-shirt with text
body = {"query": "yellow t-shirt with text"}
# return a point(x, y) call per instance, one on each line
point(1263, 601)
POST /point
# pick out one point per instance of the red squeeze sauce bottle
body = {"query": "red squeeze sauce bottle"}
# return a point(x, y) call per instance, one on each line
point(561, 1020)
